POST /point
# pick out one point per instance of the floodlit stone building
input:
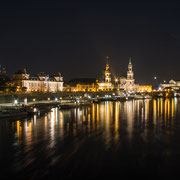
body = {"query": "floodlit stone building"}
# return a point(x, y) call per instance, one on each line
point(128, 84)
point(145, 88)
point(41, 83)
point(173, 84)
point(81, 85)
point(106, 84)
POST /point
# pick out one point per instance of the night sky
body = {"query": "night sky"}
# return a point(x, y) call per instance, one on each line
point(74, 37)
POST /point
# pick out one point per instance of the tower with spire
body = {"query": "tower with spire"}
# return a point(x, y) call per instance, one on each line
point(130, 74)
point(106, 84)
point(128, 84)
point(107, 72)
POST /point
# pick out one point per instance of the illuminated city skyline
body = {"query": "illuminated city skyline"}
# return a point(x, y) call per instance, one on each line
point(74, 38)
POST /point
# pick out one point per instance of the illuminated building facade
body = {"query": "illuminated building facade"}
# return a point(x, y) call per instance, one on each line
point(81, 88)
point(145, 88)
point(69, 89)
point(106, 84)
point(41, 83)
point(128, 84)
point(81, 85)
point(87, 87)
point(173, 84)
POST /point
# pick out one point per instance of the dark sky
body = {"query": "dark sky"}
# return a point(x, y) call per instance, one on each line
point(74, 37)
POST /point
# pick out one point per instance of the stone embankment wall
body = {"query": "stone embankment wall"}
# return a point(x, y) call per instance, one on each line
point(10, 98)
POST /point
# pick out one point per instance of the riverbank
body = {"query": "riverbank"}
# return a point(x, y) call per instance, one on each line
point(10, 110)
point(37, 96)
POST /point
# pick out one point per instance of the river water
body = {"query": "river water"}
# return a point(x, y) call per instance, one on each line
point(138, 137)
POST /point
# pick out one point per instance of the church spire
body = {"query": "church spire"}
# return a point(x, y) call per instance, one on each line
point(107, 72)
point(130, 74)
point(107, 59)
point(130, 65)
point(107, 63)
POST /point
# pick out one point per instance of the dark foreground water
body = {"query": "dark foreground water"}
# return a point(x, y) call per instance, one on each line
point(108, 139)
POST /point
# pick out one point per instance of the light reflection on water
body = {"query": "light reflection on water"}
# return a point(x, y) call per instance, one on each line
point(40, 142)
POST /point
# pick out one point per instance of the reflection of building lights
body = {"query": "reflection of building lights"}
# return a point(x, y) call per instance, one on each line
point(26, 127)
point(117, 118)
point(154, 112)
point(19, 130)
point(130, 116)
point(172, 111)
point(168, 108)
point(52, 132)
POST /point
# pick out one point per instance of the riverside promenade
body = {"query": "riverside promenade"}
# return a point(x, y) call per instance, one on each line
point(48, 97)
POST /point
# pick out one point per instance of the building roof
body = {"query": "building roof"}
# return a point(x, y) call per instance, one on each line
point(40, 77)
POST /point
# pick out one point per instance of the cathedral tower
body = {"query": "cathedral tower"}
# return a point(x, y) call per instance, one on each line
point(130, 74)
point(107, 72)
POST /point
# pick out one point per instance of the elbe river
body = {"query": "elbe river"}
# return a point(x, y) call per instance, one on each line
point(137, 137)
